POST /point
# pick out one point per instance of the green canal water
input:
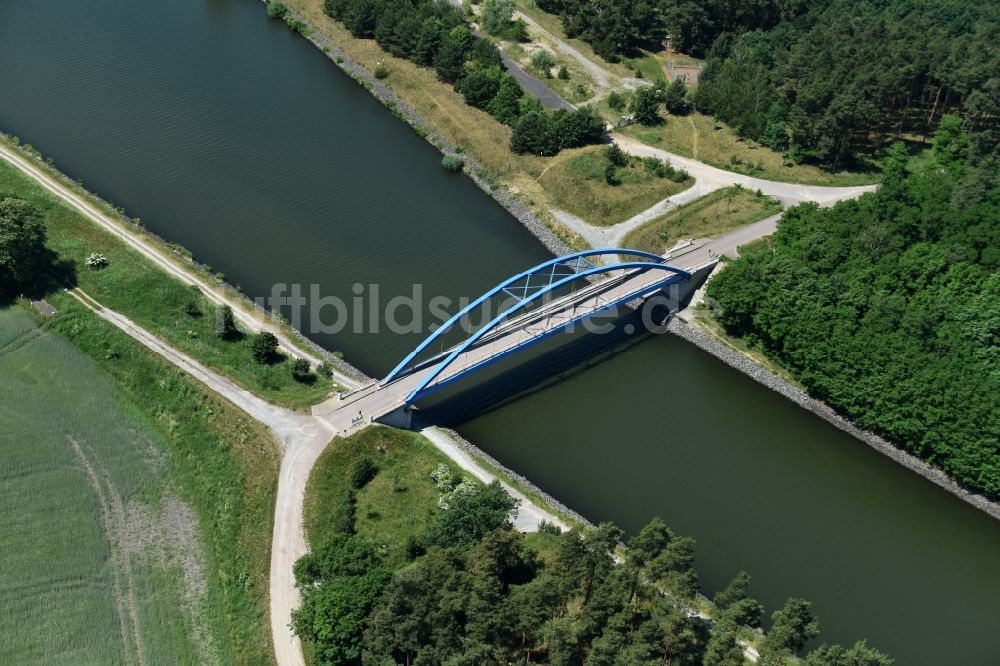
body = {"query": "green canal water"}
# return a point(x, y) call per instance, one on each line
point(230, 135)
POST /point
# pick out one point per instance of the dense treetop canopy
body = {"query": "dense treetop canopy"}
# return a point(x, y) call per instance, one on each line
point(888, 307)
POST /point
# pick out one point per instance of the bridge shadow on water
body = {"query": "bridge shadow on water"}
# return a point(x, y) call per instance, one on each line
point(536, 368)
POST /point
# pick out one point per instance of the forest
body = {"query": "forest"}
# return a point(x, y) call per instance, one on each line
point(888, 307)
point(829, 81)
point(437, 35)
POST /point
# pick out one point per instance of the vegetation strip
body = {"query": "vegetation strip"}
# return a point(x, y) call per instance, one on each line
point(179, 306)
point(741, 207)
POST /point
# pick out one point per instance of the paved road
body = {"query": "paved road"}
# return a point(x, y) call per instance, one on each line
point(534, 86)
point(354, 410)
point(531, 85)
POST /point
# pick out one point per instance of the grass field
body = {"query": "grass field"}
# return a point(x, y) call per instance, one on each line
point(695, 136)
point(132, 285)
point(396, 505)
point(104, 561)
point(710, 215)
point(575, 182)
point(215, 459)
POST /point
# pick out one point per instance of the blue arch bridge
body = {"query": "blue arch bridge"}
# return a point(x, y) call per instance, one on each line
point(529, 307)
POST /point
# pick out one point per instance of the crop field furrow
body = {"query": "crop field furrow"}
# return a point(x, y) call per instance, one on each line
point(18, 342)
point(128, 629)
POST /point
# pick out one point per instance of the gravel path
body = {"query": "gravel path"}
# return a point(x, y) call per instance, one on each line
point(788, 193)
point(302, 439)
point(706, 179)
point(601, 76)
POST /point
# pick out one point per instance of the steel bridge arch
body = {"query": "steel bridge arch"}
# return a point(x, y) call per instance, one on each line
point(551, 264)
point(677, 274)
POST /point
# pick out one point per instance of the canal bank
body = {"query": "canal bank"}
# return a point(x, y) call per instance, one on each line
point(739, 361)
point(664, 446)
point(518, 209)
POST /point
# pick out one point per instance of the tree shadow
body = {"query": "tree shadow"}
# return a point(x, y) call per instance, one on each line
point(60, 274)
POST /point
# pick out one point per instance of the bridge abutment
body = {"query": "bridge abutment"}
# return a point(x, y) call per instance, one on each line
point(401, 417)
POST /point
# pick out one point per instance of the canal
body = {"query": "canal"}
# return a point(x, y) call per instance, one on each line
point(234, 137)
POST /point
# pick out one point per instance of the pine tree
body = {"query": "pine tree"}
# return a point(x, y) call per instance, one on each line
point(505, 105)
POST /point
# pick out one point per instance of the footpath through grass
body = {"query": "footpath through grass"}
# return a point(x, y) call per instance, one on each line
point(713, 214)
point(696, 136)
point(157, 301)
point(136, 507)
point(576, 182)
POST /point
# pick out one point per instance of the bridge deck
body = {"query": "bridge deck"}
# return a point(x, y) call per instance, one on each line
point(373, 401)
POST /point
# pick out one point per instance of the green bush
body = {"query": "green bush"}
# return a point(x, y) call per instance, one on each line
point(342, 520)
point(616, 155)
point(225, 323)
point(646, 107)
point(543, 62)
point(276, 8)
point(300, 370)
point(452, 163)
point(363, 470)
point(516, 31)
point(381, 71)
point(414, 547)
point(545, 527)
point(296, 25)
point(470, 516)
point(263, 347)
point(563, 73)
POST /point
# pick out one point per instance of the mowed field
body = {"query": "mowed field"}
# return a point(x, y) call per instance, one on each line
point(102, 563)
